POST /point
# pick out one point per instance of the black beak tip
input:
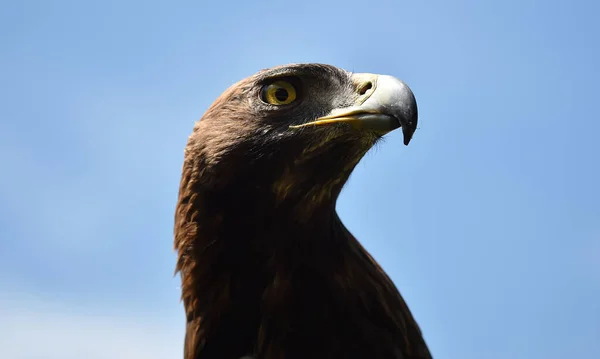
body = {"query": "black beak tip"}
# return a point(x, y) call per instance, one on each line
point(410, 119)
point(407, 136)
point(408, 128)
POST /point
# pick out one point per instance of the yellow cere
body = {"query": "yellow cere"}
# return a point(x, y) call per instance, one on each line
point(279, 93)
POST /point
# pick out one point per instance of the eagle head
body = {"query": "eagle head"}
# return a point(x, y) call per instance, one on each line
point(292, 134)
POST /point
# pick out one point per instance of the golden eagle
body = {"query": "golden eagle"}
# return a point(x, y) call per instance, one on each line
point(268, 269)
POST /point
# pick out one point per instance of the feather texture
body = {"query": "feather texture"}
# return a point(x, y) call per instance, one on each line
point(268, 269)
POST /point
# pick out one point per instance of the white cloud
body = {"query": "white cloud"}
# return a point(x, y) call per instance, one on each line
point(39, 328)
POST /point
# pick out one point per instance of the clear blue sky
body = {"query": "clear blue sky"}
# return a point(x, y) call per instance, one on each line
point(489, 222)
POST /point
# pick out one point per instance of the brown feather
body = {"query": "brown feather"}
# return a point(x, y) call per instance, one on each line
point(267, 267)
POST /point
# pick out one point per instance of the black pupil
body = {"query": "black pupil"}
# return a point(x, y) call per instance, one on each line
point(281, 94)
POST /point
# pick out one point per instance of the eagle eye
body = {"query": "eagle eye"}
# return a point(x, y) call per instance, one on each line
point(278, 93)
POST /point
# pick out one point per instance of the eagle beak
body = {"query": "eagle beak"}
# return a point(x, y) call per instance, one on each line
point(385, 103)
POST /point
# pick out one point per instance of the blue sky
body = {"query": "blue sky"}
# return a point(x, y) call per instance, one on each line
point(489, 222)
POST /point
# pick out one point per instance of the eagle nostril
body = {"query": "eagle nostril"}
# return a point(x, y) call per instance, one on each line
point(364, 88)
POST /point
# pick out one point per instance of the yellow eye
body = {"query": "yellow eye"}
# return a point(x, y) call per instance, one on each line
point(279, 93)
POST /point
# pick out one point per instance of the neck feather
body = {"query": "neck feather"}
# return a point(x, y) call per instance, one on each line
point(262, 283)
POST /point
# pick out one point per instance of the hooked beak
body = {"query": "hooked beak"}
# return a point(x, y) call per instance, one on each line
point(385, 103)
